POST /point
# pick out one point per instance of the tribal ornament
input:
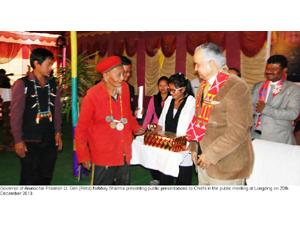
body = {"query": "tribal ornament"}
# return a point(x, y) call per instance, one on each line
point(262, 96)
point(42, 114)
point(198, 125)
point(113, 123)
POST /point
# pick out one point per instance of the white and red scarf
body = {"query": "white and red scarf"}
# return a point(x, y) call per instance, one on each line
point(198, 125)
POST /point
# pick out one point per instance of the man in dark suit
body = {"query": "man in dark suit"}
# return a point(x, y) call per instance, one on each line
point(127, 65)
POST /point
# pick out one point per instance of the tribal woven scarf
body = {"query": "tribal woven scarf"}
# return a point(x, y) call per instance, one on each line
point(198, 125)
point(262, 95)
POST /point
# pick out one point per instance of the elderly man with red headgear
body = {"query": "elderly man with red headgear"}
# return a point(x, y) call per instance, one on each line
point(106, 127)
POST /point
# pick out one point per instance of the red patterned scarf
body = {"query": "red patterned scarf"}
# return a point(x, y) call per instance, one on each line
point(198, 125)
point(262, 95)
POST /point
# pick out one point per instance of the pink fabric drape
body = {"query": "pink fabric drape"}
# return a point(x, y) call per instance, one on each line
point(101, 45)
point(252, 42)
point(152, 45)
point(180, 53)
point(232, 46)
point(54, 50)
point(131, 44)
point(118, 46)
point(168, 45)
point(141, 61)
point(8, 51)
point(25, 52)
point(217, 38)
point(194, 39)
point(25, 36)
point(85, 45)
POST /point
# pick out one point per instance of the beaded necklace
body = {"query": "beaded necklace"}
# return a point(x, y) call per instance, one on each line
point(113, 123)
point(42, 114)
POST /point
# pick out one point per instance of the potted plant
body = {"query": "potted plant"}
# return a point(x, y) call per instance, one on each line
point(86, 78)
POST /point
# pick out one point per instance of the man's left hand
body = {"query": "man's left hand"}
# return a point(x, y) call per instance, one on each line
point(260, 105)
point(58, 141)
point(203, 162)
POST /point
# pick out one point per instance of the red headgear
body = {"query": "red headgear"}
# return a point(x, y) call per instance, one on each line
point(108, 64)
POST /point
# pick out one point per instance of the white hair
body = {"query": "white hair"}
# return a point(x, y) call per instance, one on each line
point(211, 51)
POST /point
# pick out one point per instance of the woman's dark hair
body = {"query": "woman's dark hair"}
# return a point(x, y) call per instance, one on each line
point(125, 60)
point(157, 97)
point(40, 55)
point(165, 78)
point(179, 81)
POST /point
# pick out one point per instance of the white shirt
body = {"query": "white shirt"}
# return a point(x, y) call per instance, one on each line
point(195, 83)
point(269, 88)
point(174, 112)
point(5, 94)
point(212, 80)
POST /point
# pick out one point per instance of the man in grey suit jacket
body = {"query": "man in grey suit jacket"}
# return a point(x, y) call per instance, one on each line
point(276, 104)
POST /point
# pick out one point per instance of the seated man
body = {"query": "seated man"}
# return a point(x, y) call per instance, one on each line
point(276, 104)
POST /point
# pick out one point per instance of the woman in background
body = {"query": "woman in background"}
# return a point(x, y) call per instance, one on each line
point(154, 110)
point(156, 102)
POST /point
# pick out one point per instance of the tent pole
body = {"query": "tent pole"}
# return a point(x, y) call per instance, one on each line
point(73, 36)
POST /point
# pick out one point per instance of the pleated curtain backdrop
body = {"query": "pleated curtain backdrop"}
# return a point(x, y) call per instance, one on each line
point(160, 50)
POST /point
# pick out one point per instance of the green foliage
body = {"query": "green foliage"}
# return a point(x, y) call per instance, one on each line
point(86, 78)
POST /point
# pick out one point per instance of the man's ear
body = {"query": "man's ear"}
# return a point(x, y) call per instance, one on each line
point(35, 63)
point(213, 63)
point(214, 66)
point(105, 77)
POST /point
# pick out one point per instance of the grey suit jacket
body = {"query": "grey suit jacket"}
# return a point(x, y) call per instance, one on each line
point(279, 114)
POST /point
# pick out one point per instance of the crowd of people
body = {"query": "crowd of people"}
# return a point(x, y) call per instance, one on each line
point(217, 112)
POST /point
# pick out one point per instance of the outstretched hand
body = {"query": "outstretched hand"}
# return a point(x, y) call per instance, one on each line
point(139, 132)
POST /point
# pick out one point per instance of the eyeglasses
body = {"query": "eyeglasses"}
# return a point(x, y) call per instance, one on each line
point(173, 91)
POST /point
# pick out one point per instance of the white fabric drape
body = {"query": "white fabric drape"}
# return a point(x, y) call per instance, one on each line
point(168, 66)
point(156, 67)
point(190, 67)
point(152, 73)
point(253, 68)
point(133, 80)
